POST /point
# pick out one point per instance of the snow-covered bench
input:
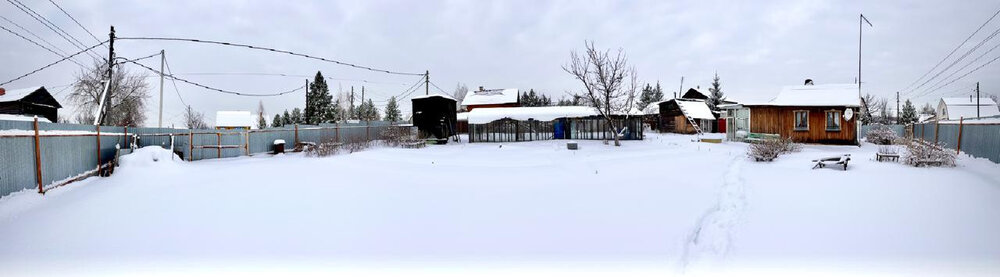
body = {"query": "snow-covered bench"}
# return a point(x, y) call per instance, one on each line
point(842, 160)
point(413, 144)
point(755, 137)
point(879, 156)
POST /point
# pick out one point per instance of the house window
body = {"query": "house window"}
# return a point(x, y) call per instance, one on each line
point(802, 120)
point(833, 120)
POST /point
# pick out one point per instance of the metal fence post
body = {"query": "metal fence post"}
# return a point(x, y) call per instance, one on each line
point(98, 150)
point(38, 159)
point(936, 124)
point(296, 135)
point(958, 148)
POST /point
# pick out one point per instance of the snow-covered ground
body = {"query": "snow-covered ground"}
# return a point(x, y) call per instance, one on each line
point(663, 205)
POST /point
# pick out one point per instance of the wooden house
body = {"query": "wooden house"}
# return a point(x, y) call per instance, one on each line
point(674, 114)
point(491, 98)
point(29, 102)
point(826, 114)
point(435, 115)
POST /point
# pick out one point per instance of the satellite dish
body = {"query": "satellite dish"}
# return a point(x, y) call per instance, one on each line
point(848, 114)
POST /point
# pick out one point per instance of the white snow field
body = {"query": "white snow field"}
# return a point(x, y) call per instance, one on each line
point(662, 206)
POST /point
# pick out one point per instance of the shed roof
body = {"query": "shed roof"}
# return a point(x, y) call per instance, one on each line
point(490, 96)
point(839, 95)
point(18, 94)
point(17, 117)
point(233, 119)
point(433, 95)
point(695, 109)
point(487, 115)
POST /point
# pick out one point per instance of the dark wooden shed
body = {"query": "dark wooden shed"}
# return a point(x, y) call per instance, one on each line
point(30, 102)
point(435, 115)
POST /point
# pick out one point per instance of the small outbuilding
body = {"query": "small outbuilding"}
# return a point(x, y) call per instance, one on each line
point(826, 114)
point(955, 108)
point(680, 116)
point(435, 115)
point(28, 103)
point(234, 120)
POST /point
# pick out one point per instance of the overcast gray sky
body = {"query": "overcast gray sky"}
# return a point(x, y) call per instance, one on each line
point(755, 46)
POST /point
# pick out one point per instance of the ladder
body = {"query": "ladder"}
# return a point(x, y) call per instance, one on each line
point(697, 127)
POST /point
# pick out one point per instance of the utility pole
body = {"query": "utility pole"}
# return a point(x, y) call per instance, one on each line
point(99, 116)
point(861, 21)
point(680, 90)
point(163, 60)
point(350, 114)
point(360, 111)
point(897, 107)
point(427, 82)
point(977, 100)
point(307, 114)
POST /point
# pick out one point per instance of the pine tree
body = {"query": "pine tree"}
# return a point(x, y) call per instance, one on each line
point(370, 112)
point(333, 113)
point(286, 119)
point(909, 114)
point(276, 122)
point(927, 109)
point(716, 96)
point(646, 97)
point(318, 101)
point(297, 116)
point(657, 93)
point(392, 113)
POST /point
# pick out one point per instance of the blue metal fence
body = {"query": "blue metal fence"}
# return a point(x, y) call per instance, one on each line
point(69, 151)
point(977, 140)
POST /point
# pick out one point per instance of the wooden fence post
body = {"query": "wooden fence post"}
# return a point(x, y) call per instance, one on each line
point(247, 142)
point(190, 146)
point(958, 148)
point(337, 134)
point(126, 138)
point(218, 137)
point(38, 159)
point(296, 135)
point(936, 124)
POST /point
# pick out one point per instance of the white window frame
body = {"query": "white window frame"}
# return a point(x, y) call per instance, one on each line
point(795, 123)
point(827, 120)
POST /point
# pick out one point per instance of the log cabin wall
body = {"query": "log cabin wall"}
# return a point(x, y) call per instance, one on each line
point(781, 120)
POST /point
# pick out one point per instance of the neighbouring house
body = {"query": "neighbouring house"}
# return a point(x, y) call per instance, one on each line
point(682, 114)
point(491, 98)
point(435, 115)
point(703, 94)
point(961, 107)
point(234, 120)
point(825, 114)
point(28, 103)
point(547, 123)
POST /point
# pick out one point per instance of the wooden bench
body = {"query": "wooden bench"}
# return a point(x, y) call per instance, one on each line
point(886, 157)
point(928, 162)
point(413, 144)
point(842, 160)
point(755, 137)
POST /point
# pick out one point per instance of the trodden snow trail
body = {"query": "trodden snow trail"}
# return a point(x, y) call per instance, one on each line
point(710, 241)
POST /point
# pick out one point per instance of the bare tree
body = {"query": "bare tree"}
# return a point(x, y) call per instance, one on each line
point(125, 102)
point(459, 94)
point(194, 120)
point(609, 83)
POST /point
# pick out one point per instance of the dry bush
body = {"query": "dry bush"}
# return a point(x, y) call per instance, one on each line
point(769, 149)
point(394, 136)
point(928, 154)
point(881, 135)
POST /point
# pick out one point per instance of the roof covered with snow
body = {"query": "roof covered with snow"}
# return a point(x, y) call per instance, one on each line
point(434, 95)
point(487, 115)
point(490, 97)
point(234, 119)
point(967, 101)
point(696, 109)
point(839, 95)
point(462, 116)
point(17, 117)
point(956, 108)
point(17, 94)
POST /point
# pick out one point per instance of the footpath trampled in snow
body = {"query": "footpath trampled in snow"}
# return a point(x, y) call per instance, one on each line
point(666, 203)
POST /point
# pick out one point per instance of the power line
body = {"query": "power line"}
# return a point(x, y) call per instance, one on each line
point(53, 63)
point(954, 50)
point(63, 52)
point(174, 82)
point(39, 45)
point(272, 50)
point(217, 89)
point(438, 88)
point(953, 63)
point(139, 59)
point(284, 75)
point(46, 23)
point(410, 90)
point(962, 68)
point(74, 20)
point(967, 73)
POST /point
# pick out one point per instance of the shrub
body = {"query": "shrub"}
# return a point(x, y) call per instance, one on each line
point(393, 136)
point(769, 149)
point(927, 154)
point(881, 135)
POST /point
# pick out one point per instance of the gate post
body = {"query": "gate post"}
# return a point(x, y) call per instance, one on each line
point(38, 159)
point(958, 148)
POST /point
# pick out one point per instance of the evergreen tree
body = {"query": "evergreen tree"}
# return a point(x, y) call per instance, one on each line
point(370, 112)
point(276, 122)
point(261, 121)
point(716, 96)
point(392, 113)
point(297, 116)
point(333, 113)
point(928, 109)
point(657, 93)
point(318, 101)
point(646, 97)
point(286, 119)
point(909, 114)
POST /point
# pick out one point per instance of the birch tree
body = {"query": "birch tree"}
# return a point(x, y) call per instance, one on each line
point(609, 82)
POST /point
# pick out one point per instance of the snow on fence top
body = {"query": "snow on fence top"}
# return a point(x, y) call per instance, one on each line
point(233, 119)
point(17, 94)
point(433, 95)
point(696, 109)
point(845, 95)
point(490, 96)
point(487, 115)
